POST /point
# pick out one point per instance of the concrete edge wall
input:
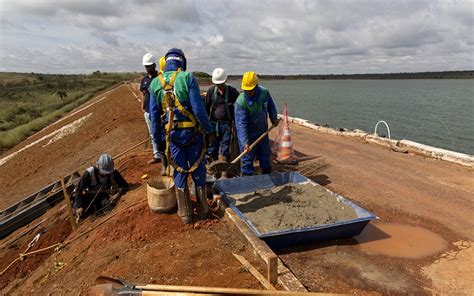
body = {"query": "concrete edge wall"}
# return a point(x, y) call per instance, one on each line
point(409, 146)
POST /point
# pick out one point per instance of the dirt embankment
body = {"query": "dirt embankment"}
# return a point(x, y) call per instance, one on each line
point(134, 244)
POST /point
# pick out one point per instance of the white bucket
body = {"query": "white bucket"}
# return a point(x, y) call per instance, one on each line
point(161, 195)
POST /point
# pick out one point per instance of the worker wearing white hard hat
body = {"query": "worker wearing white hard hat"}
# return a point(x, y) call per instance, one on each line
point(220, 99)
point(149, 62)
point(99, 187)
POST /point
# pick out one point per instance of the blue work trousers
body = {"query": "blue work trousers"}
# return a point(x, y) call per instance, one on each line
point(222, 141)
point(261, 152)
point(185, 148)
point(154, 144)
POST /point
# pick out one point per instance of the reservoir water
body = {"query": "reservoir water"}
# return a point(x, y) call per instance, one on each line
point(435, 112)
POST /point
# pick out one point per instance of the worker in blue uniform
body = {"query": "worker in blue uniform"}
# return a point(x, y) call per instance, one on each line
point(175, 99)
point(252, 109)
point(219, 100)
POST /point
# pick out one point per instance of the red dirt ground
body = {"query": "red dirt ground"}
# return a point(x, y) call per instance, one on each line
point(137, 245)
point(150, 248)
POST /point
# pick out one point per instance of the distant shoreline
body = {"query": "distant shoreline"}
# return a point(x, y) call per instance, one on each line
point(468, 74)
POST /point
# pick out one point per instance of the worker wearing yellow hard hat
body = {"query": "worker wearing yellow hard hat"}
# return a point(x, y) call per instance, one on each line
point(162, 63)
point(249, 80)
point(252, 109)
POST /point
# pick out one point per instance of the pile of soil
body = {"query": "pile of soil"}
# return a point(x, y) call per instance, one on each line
point(292, 206)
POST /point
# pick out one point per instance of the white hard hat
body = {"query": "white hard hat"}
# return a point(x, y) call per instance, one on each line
point(105, 164)
point(148, 59)
point(219, 76)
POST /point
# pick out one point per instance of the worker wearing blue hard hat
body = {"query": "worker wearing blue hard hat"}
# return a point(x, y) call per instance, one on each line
point(176, 100)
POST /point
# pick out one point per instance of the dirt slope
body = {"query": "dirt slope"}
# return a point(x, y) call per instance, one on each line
point(115, 124)
point(136, 244)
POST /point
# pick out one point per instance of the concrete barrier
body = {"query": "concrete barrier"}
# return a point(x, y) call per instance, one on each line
point(409, 146)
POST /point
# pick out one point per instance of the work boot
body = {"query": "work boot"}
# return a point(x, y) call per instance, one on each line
point(164, 164)
point(184, 205)
point(202, 207)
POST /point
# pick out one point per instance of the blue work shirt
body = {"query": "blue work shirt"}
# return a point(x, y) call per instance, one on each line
point(251, 125)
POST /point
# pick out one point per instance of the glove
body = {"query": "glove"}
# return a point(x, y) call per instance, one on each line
point(210, 138)
point(114, 198)
point(247, 148)
point(79, 213)
point(276, 122)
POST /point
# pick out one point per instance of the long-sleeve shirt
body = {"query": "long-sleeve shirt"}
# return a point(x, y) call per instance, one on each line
point(92, 183)
point(215, 103)
point(194, 105)
point(144, 85)
point(252, 123)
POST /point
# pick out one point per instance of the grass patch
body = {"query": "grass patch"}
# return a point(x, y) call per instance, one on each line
point(29, 102)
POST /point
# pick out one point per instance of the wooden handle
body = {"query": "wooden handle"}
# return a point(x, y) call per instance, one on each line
point(253, 144)
point(131, 148)
point(69, 206)
point(149, 289)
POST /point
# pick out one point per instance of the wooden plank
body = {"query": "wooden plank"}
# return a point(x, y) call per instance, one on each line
point(69, 206)
point(255, 272)
point(261, 248)
point(288, 280)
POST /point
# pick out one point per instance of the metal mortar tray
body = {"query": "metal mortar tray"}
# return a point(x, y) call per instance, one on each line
point(296, 236)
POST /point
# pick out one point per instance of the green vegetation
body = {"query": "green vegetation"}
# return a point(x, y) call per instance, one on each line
point(202, 77)
point(28, 102)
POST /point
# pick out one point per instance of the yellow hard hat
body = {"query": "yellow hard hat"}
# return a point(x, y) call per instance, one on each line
point(162, 64)
point(249, 80)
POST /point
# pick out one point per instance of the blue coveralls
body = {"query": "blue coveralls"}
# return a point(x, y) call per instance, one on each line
point(218, 107)
point(251, 121)
point(186, 143)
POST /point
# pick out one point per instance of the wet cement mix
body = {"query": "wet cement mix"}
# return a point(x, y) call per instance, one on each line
point(292, 206)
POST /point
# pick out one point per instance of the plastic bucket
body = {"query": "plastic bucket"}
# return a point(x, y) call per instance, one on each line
point(161, 195)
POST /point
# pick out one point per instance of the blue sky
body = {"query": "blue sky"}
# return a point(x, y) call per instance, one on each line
point(269, 37)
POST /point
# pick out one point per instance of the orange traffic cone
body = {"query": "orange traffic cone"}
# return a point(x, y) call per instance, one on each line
point(276, 141)
point(285, 151)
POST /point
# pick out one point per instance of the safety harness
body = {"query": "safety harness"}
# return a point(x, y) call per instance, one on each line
point(170, 103)
point(214, 107)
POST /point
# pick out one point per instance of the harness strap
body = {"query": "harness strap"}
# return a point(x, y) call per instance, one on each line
point(226, 100)
point(169, 103)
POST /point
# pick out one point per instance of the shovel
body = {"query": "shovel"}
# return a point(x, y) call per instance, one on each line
point(223, 166)
point(111, 286)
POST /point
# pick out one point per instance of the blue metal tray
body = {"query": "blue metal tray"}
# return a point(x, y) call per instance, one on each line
point(298, 236)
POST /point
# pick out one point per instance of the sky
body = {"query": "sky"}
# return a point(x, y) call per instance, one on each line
point(268, 37)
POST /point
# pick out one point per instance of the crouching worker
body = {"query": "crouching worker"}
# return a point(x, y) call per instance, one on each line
point(100, 185)
point(175, 100)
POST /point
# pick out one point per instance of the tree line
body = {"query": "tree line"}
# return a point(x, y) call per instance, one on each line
point(468, 74)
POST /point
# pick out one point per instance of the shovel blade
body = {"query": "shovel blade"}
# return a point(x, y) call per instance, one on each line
point(218, 166)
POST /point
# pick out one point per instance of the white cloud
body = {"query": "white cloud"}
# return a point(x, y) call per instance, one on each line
point(265, 36)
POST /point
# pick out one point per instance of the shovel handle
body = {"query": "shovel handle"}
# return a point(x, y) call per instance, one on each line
point(253, 144)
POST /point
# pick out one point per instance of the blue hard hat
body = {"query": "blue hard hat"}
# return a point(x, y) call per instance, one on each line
point(177, 55)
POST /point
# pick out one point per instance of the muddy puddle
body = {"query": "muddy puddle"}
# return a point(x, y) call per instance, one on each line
point(292, 206)
point(399, 240)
